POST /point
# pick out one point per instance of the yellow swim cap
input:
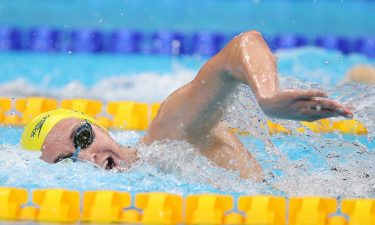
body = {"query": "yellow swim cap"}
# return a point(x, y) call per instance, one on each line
point(37, 130)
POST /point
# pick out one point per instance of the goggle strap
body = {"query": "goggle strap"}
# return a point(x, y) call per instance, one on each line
point(76, 152)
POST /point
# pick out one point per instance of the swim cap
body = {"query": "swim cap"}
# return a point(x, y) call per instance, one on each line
point(37, 130)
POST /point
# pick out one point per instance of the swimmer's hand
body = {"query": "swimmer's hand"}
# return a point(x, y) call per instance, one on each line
point(305, 105)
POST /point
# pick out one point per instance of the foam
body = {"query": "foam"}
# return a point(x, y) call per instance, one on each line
point(313, 164)
point(146, 87)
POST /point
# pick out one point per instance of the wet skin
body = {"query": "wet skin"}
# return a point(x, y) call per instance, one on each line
point(192, 113)
point(103, 151)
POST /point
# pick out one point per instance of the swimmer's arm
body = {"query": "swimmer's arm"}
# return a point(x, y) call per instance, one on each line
point(228, 152)
point(250, 60)
point(192, 111)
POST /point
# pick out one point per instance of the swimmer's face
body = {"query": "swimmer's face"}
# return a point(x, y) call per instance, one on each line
point(103, 150)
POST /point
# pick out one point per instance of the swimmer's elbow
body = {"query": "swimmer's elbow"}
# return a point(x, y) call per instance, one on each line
point(247, 37)
point(252, 34)
point(238, 47)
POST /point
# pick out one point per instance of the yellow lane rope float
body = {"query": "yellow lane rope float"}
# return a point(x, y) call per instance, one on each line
point(108, 206)
point(130, 115)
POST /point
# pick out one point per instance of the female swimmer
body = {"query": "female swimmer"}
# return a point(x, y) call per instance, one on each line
point(192, 113)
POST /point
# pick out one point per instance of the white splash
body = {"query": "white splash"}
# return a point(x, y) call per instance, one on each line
point(328, 165)
point(146, 87)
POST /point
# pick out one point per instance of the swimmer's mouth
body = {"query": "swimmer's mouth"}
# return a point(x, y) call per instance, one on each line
point(109, 164)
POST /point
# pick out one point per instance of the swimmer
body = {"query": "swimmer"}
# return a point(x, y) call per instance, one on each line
point(364, 74)
point(192, 113)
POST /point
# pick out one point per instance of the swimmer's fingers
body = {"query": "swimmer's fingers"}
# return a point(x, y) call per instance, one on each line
point(305, 105)
point(296, 95)
point(308, 94)
point(334, 107)
point(323, 108)
point(316, 104)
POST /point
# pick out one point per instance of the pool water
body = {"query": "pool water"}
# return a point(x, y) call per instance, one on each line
point(300, 164)
point(346, 17)
point(148, 78)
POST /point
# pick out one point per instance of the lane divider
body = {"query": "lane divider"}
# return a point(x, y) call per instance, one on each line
point(105, 206)
point(263, 209)
point(108, 206)
point(168, 42)
point(360, 211)
point(207, 209)
point(129, 115)
point(300, 209)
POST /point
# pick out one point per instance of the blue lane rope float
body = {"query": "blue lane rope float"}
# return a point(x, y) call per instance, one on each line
point(87, 41)
point(10, 38)
point(334, 42)
point(289, 41)
point(48, 39)
point(44, 39)
point(125, 41)
point(207, 43)
point(366, 45)
point(168, 42)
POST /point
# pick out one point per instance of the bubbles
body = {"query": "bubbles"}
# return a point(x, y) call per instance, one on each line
point(310, 163)
point(361, 99)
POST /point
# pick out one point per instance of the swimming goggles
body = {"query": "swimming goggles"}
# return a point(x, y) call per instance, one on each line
point(82, 138)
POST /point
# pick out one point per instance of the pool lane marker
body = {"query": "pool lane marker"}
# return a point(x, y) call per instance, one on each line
point(129, 115)
point(109, 206)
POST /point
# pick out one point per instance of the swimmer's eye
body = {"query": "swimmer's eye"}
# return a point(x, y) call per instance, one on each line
point(83, 136)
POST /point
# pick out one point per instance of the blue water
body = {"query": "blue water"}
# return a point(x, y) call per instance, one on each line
point(309, 17)
point(301, 164)
point(55, 70)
